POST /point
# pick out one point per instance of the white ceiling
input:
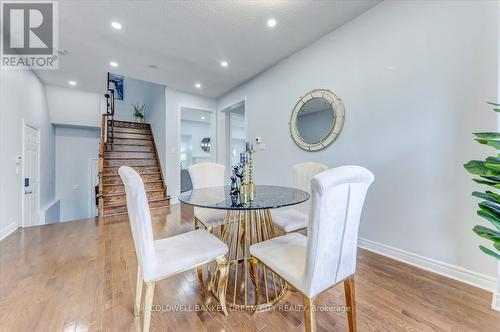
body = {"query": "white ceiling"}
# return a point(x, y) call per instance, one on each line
point(188, 39)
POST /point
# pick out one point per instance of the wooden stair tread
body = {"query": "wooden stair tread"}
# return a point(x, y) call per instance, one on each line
point(167, 198)
point(121, 184)
point(123, 193)
point(127, 158)
point(118, 175)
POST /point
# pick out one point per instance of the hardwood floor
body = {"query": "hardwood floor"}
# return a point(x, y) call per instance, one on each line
point(77, 276)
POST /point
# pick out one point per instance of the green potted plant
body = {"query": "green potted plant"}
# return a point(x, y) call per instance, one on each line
point(139, 111)
point(488, 171)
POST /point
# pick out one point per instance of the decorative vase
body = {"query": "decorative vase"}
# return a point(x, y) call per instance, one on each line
point(139, 119)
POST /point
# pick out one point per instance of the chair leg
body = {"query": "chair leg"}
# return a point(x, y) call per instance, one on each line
point(199, 273)
point(223, 268)
point(138, 293)
point(351, 303)
point(255, 280)
point(309, 314)
point(148, 302)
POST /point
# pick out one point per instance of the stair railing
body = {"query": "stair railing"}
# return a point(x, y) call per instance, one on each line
point(107, 126)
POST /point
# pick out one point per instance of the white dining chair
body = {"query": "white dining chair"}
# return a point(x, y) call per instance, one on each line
point(327, 256)
point(297, 217)
point(159, 259)
point(204, 175)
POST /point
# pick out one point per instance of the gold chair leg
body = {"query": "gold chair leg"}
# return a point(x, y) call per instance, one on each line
point(138, 292)
point(255, 280)
point(309, 314)
point(199, 273)
point(351, 303)
point(223, 268)
point(148, 302)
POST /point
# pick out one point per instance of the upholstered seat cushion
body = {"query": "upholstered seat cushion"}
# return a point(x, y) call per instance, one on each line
point(286, 255)
point(290, 220)
point(210, 217)
point(182, 252)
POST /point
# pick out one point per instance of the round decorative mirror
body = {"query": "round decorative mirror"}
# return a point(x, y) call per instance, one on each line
point(317, 120)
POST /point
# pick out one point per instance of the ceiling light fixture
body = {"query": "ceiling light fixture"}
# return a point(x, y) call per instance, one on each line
point(271, 22)
point(113, 64)
point(198, 85)
point(224, 63)
point(116, 25)
point(72, 83)
point(203, 118)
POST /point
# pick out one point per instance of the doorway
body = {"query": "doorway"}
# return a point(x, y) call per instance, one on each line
point(197, 132)
point(93, 187)
point(235, 133)
point(31, 175)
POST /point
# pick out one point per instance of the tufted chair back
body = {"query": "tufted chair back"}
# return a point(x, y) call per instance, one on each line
point(139, 218)
point(302, 176)
point(338, 195)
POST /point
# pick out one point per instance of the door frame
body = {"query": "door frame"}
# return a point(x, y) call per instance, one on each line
point(213, 134)
point(23, 166)
point(225, 112)
point(92, 207)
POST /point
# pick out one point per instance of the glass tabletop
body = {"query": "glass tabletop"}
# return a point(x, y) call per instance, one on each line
point(264, 197)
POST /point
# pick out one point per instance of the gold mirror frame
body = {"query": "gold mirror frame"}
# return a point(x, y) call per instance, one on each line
point(338, 110)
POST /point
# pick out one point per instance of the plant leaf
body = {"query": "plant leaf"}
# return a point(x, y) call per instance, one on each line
point(491, 207)
point(488, 195)
point(488, 183)
point(490, 142)
point(492, 103)
point(487, 233)
point(491, 218)
point(489, 252)
point(477, 167)
point(488, 135)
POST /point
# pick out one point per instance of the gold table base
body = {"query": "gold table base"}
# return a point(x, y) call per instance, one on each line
point(241, 229)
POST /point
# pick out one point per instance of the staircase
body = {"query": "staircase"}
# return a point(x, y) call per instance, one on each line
point(131, 144)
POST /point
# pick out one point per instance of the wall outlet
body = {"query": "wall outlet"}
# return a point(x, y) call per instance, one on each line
point(76, 187)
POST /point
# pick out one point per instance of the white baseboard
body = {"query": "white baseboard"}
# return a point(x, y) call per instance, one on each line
point(448, 270)
point(8, 230)
point(495, 303)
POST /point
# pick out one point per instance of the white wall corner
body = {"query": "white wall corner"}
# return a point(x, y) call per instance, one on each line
point(495, 303)
point(8, 230)
point(448, 270)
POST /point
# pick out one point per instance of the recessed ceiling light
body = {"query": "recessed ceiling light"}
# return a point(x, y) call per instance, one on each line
point(116, 25)
point(113, 64)
point(271, 22)
point(224, 63)
point(72, 83)
point(203, 118)
point(197, 85)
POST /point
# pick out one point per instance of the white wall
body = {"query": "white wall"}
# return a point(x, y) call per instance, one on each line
point(155, 116)
point(414, 77)
point(22, 96)
point(134, 91)
point(174, 101)
point(197, 130)
point(72, 170)
point(69, 106)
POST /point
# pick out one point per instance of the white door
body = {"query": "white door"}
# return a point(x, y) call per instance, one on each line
point(93, 182)
point(31, 177)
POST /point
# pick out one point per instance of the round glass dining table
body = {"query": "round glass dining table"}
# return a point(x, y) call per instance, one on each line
point(248, 220)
